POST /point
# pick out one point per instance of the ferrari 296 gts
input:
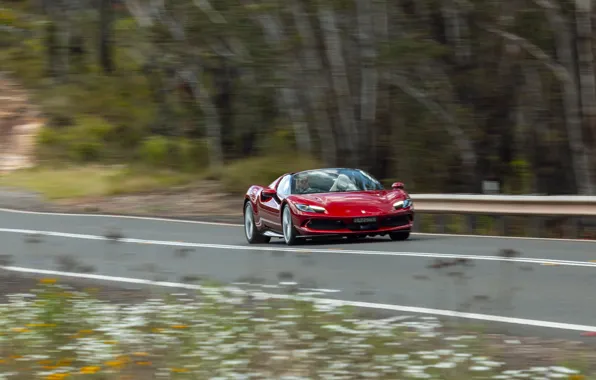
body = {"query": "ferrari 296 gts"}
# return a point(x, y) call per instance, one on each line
point(326, 202)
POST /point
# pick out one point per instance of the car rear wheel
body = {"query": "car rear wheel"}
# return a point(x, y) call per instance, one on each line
point(290, 235)
point(399, 236)
point(250, 228)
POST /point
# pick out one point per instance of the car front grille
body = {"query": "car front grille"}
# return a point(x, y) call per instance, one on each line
point(326, 224)
point(339, 224)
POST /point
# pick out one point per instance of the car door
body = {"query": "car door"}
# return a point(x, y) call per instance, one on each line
point(271, 208)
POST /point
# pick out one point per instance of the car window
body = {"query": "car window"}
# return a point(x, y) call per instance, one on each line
point(333, 180)
point(283, 188)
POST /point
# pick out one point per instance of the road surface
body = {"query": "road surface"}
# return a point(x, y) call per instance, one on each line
point(379, 271)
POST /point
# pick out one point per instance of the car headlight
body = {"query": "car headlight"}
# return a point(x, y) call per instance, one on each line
point(403, 204)
point(309, 208)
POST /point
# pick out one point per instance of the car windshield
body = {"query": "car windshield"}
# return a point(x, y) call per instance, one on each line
point(333, 180)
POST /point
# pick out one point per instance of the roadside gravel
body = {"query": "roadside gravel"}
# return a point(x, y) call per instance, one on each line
point(199, 203)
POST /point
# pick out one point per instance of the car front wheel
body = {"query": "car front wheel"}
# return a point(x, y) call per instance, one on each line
point(399, 236)
point(250, 228)
point(290, 235)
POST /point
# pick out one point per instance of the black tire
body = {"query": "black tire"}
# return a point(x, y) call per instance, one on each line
point(289, 232)
point(399, 236)
point(250, 228)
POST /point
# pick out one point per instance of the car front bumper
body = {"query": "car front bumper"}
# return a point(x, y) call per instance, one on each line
point(324, 225)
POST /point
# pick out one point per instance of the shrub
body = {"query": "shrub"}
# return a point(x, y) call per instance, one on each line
point(154, 151)
point(86, 141)
point(174, 153)
point(238, 176)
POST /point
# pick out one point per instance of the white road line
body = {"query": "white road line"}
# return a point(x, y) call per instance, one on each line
point(284, 284)
point(305, 250)
point(174, 220)
point(114, 216)
point(333, 302)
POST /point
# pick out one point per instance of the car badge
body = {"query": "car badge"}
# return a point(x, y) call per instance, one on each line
point(362, 211)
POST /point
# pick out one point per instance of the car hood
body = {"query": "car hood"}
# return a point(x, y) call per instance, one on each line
point(353, 203)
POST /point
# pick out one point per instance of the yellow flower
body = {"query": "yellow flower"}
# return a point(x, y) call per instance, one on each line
point(179, 370)
point(48, 280)
point(123, 359)
point(110, 342)
point(86, 332)
point(140, 354)
point(577, 377)
point(2, 361)
point(90, 370)
point(57, 376)
point(179, 327)
point(19, 329)
point(115, 363)
point(157, 330)
point(144, 363)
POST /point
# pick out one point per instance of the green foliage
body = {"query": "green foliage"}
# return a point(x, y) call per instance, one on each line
point(155, 151)
point(145, 98)
point(180, 154)
point(262, 170)
point(522, 176)
point(277, 142)
point(86, 141)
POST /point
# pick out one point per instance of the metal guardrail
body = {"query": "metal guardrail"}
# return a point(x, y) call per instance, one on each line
point(560, 216)
point(556, 205)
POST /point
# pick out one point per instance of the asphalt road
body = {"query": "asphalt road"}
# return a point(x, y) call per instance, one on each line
point(376, 271)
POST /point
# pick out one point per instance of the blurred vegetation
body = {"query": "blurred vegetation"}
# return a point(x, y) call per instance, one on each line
point(438, 94)
point(63, 332)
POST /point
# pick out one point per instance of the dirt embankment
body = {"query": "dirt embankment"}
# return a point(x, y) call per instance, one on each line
point(19, 123)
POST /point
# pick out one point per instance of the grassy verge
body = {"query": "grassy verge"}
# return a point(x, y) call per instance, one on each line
point(97, 181)
point(90, 181)
point(57, 333)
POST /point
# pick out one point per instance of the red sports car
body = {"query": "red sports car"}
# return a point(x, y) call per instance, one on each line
point(326, 202)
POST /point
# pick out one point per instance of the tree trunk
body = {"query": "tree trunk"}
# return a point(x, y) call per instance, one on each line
point(571, 97)
point(212, 122)
point(341, 87)
point(105, 36)
point(583, 11)
point(289, 100)
point(369, 78)
point(315, 83)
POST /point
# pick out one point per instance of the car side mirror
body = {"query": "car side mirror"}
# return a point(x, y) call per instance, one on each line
point(268, 193)
point(397, 186)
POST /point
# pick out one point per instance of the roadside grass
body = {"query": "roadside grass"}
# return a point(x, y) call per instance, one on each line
point(56, 332)
point(78, 181)
point(92, 181)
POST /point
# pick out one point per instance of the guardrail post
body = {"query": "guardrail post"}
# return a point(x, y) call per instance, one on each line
point(440, 223)
point(500, 225)
point(471, 221)
point(537, 223)
point(416, 224)
point(575, 227)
